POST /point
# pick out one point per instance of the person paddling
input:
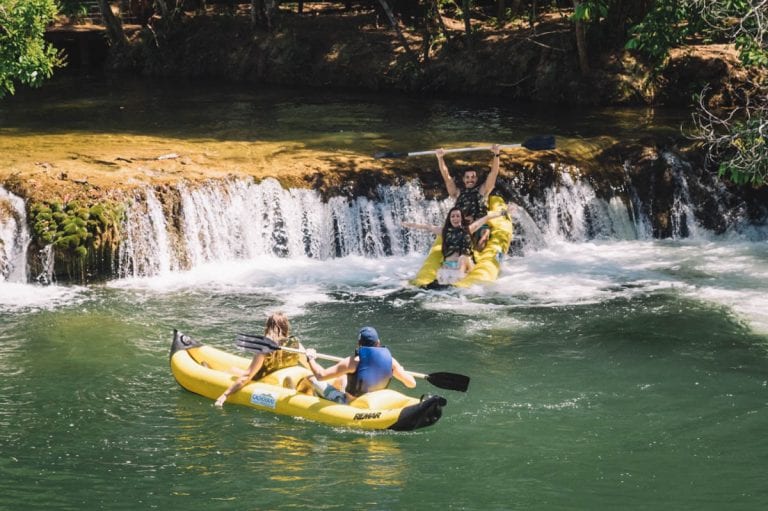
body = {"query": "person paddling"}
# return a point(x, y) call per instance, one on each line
point(370, 368)
point(457, 242)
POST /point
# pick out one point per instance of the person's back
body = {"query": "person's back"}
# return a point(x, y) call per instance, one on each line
point(374, 370)
point(280, 359)
point(370, 368)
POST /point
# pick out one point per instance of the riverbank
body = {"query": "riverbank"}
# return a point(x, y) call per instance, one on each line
point(330, 48)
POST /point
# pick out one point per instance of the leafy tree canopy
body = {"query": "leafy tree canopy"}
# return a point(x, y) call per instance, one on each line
point(25, 57)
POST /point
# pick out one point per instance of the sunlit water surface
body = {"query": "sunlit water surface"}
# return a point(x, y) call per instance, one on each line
point(610, 375)
point(605, 375)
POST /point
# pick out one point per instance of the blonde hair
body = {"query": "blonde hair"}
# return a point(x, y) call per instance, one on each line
point(277, 327)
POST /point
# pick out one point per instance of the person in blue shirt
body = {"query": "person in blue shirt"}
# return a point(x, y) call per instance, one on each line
point(370, 368)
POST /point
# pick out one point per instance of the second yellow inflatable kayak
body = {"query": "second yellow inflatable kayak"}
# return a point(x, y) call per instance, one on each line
point(487, 262)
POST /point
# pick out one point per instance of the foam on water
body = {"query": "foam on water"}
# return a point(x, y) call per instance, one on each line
point(18, 297)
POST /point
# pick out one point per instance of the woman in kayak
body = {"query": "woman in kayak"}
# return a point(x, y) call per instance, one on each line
point(457, 242)
point(370, 368)
point(277, 328)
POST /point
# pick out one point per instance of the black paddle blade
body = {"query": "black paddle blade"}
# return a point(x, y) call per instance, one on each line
point(389, 154)
point(540, 143)
point(450, 381)
point(256, 343)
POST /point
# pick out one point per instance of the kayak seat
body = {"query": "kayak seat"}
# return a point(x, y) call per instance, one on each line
point(292, 374)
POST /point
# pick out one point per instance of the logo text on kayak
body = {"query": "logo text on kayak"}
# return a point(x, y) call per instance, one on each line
point(367, 415)
point(264, 399)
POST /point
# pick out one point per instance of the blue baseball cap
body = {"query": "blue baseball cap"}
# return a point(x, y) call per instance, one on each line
point(368, 336)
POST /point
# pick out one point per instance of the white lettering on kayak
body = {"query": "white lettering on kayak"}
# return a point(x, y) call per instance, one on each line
point(265, 399)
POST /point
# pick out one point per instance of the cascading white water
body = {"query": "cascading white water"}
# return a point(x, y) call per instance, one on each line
point(681, 214)
point(145, 247)
point(14, 238)
point(571, 211)
point(240, 220)
point(641, 222)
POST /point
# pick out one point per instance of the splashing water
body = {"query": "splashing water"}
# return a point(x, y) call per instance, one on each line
point(14, 238)
point(239, 220)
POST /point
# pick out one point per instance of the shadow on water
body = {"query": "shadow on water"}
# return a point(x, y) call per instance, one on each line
point(316, 119)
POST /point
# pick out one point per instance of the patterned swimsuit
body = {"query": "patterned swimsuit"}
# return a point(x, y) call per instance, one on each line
point(457, 241)
point(471, 202)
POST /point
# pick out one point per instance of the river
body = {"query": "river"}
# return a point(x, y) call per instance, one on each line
point(607, 373)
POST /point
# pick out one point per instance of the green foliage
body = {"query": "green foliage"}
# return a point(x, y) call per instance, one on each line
point(73, 8)
point(745, 157)
point(25, 57)
point(667, 25)
point(671, 22)
point(590, 11)
point(751, 52)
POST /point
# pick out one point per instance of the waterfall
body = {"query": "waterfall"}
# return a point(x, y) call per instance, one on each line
point(571, 211)
point(641, 222)
point(240, 219)
point(681, 214)
point(177, 227)
point(14, 238)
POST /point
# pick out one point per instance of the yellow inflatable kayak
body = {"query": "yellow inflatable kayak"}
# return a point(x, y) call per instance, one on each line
point(487, 262)
point(208, 371)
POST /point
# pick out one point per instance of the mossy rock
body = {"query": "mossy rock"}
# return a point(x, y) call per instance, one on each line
point(75, 229)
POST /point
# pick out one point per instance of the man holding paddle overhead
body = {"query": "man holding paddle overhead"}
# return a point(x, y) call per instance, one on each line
point(370, 368)
point(472, 198)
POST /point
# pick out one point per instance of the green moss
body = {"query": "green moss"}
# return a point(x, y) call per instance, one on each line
point(76, 229)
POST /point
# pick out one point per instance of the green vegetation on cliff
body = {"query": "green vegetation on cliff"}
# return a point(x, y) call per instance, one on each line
point(83, 236)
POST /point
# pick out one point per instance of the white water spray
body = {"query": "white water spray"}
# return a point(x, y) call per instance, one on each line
point(14, 238)
point(240, 219)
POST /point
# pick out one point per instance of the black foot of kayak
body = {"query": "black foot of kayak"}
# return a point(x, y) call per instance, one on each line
point(426, 413)
point(182, 342)
point(434, 285)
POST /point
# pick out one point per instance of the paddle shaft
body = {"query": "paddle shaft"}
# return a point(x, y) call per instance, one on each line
point(464, 149)
point(339, 359)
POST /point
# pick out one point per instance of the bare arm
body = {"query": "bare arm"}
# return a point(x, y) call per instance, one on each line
point(453, 190)
point(256, 363)
point(401, 374)
point(490, 181)
point(494, 214)
point(426, 227)
point(346, 366)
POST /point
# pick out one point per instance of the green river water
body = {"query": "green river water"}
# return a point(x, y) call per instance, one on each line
point(605, 375)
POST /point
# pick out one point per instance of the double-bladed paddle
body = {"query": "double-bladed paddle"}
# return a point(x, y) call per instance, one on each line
point(537, 143)
point(262, 344)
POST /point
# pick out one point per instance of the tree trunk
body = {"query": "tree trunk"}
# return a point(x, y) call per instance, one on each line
point(163, 8)
point(466, 6)
point(581, 43)
point(403, 40)
point(114, 26)
point(502, 12)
